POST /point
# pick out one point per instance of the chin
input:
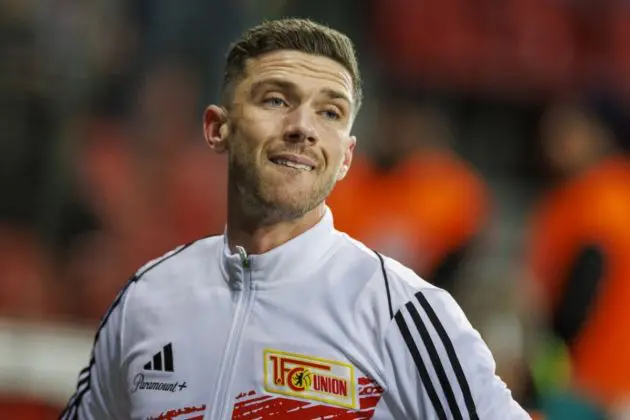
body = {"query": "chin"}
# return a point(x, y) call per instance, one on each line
point(291, 196)
point(291, 202)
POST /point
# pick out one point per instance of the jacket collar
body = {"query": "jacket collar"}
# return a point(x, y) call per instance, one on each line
point(284, 261)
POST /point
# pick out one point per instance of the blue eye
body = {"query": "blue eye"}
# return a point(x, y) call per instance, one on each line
point(331, 115)
point(275, 102)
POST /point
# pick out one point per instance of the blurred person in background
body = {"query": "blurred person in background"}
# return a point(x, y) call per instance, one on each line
point(410, 196)
point(140, 167)
point(579, 258)
point(27, 134)
point(147, 178)
point(29, 284)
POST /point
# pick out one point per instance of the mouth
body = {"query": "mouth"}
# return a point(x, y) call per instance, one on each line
point(297, 162)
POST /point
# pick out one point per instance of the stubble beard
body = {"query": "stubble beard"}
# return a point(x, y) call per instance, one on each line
point(266, 203)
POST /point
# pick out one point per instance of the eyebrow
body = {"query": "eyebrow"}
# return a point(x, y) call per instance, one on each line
point(335, 94)
point(278, 83)
point(287, 85)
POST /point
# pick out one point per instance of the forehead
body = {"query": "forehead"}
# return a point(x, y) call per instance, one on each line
point(309, 72)
point(564, 117)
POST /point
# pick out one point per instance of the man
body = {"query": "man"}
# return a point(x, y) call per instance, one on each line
point(283, 316)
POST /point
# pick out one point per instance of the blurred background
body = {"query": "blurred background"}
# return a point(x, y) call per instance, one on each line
point(492, 159)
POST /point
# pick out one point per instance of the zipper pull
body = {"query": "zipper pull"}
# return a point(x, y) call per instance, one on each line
point(244, 256)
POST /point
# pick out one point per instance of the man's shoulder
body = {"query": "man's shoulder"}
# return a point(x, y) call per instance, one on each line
point(182, 258)
point(176, 270)
point(401, 282)
point(396, 289)
point(408, 293)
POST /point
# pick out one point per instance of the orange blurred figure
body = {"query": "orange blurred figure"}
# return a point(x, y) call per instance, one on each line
point(26, 276)
point(414, 199)
point(579, 251)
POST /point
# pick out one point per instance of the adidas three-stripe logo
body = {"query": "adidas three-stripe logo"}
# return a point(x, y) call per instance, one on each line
point(162, 360)
point(429, 342)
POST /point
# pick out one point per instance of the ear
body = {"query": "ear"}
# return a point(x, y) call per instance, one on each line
point(347, 159)
point(215, 128)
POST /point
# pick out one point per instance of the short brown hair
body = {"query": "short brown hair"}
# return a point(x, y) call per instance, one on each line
point(291, 34)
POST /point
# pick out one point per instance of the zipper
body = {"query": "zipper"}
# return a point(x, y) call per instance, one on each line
point(244, 257)
point(222, 399)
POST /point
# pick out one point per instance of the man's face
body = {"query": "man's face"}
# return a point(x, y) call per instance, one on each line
point(569, 140)
point(289, 132)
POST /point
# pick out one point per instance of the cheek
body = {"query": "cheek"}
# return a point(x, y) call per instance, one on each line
point(247, 134)
point(260, 120)
point(257, 131)
point(340, 148)
point(336, 158)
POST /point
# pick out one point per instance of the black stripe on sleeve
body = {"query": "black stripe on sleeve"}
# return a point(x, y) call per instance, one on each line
point(75, 401)
point(452, 355)
point(435, 360)
point(386, 279)
point(68, 413)
point(84, 371)
point(422, 370)
point(82, 382)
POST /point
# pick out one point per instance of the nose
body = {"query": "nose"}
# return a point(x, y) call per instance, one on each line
point(300, 126)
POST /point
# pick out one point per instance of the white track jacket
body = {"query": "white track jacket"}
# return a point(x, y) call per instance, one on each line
point(318, 328)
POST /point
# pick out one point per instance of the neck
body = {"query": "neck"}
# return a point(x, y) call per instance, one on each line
point(258, 234)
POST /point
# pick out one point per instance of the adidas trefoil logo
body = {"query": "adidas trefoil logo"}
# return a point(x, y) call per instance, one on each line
point(162, 360)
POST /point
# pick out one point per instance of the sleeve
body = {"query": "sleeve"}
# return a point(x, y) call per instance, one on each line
point(438, 366)
point(580, 291)
point(100, 390)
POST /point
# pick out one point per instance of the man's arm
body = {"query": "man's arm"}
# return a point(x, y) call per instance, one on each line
point(99, 393)
point(438, 366)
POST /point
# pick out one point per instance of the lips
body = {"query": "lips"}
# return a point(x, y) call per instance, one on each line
point(290, 160)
